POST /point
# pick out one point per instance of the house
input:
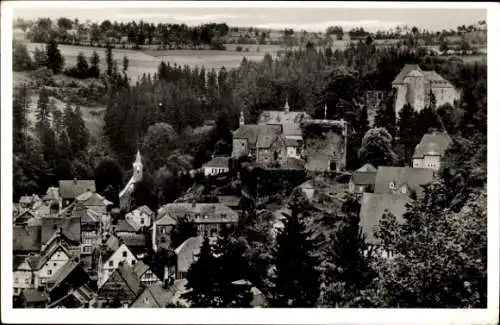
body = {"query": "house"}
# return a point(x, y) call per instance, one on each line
point(373, 207)
point(89, 227)
point(136, 242)
point(94, 201)
point(26, 239)
point(325, 145)
point(50, 262)
point(28, 201)
point(231, 201)
point(216, 166)
point(402, 180)
point(69, 226)
point(145, 274)
point(187, 253)
point(430, 150)
point(81, 297)
point(154, 296)
point(414, 86)
point(52, 197)
point(24, 217)
point(110, 260)
point(246, 136)
point(140, 217)
point(33, 298)
point(23, 267)
point(70, 189)
point(122, 285)
point(290, 122)
point(208, 217)
point(72, 275)
point(363, 179)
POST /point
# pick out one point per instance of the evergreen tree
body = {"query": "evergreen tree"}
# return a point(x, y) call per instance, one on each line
point(81, 131)
point(94, 66)
point(231, 270)
point(109, 60)
point(55, 61)
point(82, 66)
point(348, 271)
point(386, 115)
point(296, 279)
point(19, 115)
point(43, 111)
point(201, 278)
point(408, 137)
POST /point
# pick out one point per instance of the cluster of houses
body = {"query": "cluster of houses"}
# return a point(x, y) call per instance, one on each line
point(72, 248)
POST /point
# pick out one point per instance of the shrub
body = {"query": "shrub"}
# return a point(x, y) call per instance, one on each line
point(239, 48)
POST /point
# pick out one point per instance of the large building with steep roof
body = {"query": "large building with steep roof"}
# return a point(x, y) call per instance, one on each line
point(430, 150)
point(414, 86)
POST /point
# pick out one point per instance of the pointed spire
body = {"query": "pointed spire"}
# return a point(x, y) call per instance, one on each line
point(242, 118)
point(287, 107)
point(138, 159)
point(326, 108)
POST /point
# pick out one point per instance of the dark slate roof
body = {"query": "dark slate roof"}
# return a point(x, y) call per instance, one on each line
point(373, 207)
point(218, 162)
point(158, 297)
point(404, 72)
point(133, 239)
point(414, 178)
point(289, 120)
point(70, 189)
point(70, 227)
point(251, 132)
point(124, 226)
point(364, 178)
point(33, 261)
point(34, 295)
point(140, 268)
point(432, 144)
point(130, 278)
point(27, 238)
point(89, 198)
point(62, 274)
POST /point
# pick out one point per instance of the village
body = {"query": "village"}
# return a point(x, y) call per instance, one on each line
point(73, 248)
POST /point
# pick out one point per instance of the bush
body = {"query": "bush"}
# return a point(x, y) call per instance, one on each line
point(21, 60)
point(43, 77)
point(239, 48)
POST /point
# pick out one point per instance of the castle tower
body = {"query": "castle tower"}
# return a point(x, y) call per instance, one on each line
point(242, 118)
point(138, 167)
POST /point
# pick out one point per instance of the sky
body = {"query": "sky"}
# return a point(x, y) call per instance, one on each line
point(310, 19)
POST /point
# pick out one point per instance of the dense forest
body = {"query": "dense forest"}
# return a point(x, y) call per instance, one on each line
point(163, 115)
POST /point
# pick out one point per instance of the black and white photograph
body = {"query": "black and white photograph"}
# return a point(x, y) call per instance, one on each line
point(247, 156)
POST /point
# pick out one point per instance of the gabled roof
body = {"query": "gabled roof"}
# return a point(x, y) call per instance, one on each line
point(133, 239)
point(62, 274)
point(70, 189)
point(89, 198)
point(367, 168)
point(364, 178)
point(186, 252)
point(46, 257)
point(251, 132)
point(34, 295)
point(140, 268)
point(129, 278)
point(82, 294)
point(266, 140)
point(373, 207)
point(33, 261)
point(218, 162)
point(124, 226)
point(145, 209)
point(70, 227)
point(414, 178)
point(26, 238)
point(404, 72)
point(432, 144)
point(24, 217)
point(158, 297)
point(289, 120)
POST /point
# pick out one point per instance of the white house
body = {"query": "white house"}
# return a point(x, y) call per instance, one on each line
point(216, 166)
point(122, 254)
point(24, 268)
point(54, 259)
point(140, 217)
point(430, 150)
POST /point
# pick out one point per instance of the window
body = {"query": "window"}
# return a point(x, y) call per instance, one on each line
point(124, 254)
point(27, 281)
point(49, 272)
point(142, 221)
point(146, 300)
point(133, 262)
point(55, 264)
point(110, 263)
point(16, 280)
point(162, 230)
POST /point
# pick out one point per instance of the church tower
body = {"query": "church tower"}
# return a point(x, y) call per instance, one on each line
point(287, 107)
point(242, 118)
point(137, 167)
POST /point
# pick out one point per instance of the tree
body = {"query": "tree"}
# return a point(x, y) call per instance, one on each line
point(295, 279)
point(408, 138)
point(386, 115)
point(125, 64)
point(183, 230)
point(21, 60)
point(43, 111)
point(20, 121)
point(82, 66)
point(108, 172)
point(94, 66)
point(158, 142)
point(39, 58)
point(200, 279)
point(64, 23)
point(440, 255)
point(347, 269)
point(376, 148)
point(109, 60)
point(55, 61)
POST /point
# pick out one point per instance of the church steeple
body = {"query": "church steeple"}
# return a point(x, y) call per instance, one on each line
point(287, 107)
point(137, 167)
point(326, 109)
point(242, 118)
